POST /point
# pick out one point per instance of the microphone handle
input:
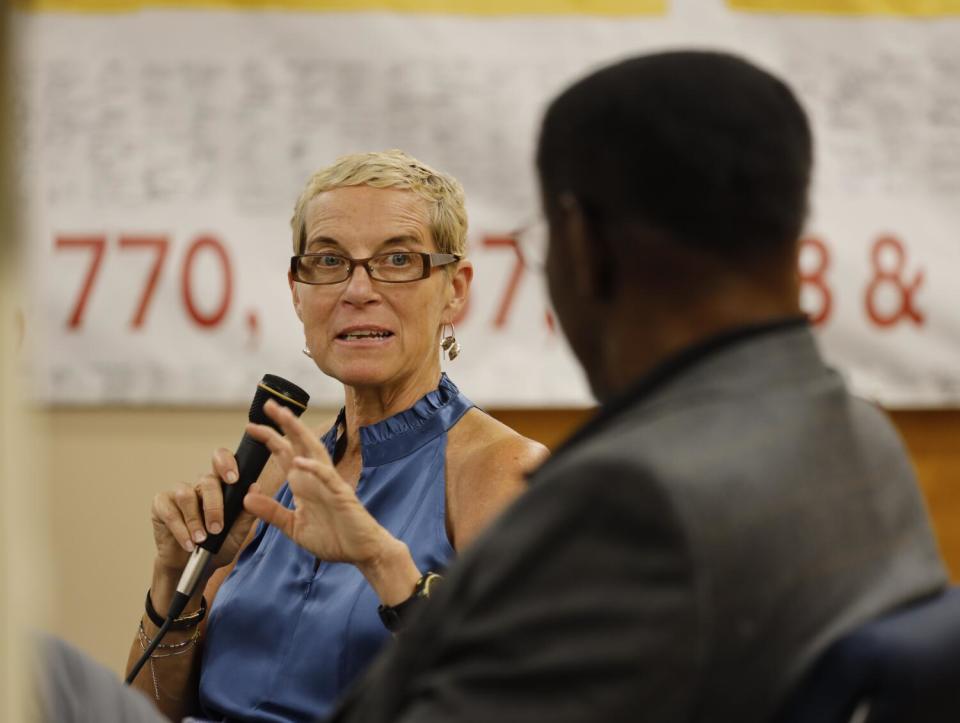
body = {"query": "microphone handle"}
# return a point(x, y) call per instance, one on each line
point(251, 458)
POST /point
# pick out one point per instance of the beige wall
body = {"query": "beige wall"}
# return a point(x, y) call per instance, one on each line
point(105, 467)
point(107, 464)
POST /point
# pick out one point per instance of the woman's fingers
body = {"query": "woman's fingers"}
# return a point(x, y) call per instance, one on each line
point(212, 496)
point(281, 448)
point(165, 510)
point(185, 497)
point(324, 472)
point(225, 466)
point(302, 438)
point(270, 511)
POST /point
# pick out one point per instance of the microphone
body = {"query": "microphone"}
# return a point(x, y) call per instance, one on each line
point(251, 457)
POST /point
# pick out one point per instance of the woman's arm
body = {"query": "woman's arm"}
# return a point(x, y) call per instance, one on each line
point(170, 678)
point(181, 517)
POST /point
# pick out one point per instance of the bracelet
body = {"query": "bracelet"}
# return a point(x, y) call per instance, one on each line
point(395, 617)
point(184, 622)
point(182, 647)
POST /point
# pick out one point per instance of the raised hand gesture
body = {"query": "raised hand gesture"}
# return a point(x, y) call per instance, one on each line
point(328, 519)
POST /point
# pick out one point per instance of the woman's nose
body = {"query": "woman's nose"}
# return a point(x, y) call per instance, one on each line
point(360, 288)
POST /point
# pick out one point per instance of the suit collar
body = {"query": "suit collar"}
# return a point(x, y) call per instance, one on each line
point(692, 364)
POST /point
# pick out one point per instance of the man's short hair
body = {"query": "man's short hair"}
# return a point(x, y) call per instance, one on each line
point(393, 169)
point(703, 148)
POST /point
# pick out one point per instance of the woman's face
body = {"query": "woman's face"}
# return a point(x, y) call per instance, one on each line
point(359, 222)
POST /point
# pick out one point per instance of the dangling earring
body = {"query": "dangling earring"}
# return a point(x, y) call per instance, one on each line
point(449, 342)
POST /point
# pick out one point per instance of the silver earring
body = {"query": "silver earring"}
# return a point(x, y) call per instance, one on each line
point(306, 353)
point(449, 343)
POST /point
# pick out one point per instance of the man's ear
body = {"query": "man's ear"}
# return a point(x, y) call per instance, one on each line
point(460, 281)
point(295, 293)
point(585, 262)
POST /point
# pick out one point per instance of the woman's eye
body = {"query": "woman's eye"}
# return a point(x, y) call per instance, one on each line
point(399, 259)
point(329, 261)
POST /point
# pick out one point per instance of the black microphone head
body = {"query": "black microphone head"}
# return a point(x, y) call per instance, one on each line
point(282, 392)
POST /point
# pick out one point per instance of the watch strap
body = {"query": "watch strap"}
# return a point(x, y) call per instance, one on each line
point(184, 622)
point(396, 617)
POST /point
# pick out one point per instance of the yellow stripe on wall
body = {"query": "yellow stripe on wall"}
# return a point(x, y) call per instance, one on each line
point(450, 7)
point(916, 8)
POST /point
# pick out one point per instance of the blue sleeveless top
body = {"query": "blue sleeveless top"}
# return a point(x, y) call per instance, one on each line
point(288, 633)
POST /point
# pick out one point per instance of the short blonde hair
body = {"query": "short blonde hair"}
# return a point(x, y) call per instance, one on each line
point(392, 169)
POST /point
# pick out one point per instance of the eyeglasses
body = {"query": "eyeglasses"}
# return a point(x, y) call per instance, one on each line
point(398, 267)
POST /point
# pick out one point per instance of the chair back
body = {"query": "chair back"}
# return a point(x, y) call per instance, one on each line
point(901, 668)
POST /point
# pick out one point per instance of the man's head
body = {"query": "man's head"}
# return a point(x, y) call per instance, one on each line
point(674, 184)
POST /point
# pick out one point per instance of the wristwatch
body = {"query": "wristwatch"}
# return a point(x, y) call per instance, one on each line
point(395, 617)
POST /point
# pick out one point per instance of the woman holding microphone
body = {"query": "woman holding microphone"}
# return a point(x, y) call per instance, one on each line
point(417, 471)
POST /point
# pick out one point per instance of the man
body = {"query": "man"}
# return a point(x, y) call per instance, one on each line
point(731, 509)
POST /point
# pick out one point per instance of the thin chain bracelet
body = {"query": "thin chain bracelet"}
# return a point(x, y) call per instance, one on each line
point(145, 641)
point(180, 648)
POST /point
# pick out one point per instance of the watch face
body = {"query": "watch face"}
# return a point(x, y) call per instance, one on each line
point(425, 586)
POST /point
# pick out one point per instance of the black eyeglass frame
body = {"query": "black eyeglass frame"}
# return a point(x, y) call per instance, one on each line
point(430, 262)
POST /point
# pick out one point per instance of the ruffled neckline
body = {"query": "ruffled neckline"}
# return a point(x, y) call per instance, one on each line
point(405, 432)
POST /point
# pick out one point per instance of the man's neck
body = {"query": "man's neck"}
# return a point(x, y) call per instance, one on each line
point(636, 342)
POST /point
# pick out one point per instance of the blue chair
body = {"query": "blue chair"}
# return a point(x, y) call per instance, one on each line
point(901, 668)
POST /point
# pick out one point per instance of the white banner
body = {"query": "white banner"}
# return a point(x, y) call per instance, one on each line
point(162, 151)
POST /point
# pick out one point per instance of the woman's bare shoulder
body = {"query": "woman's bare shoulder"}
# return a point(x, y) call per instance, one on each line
point(487, 466)
point(485, 440)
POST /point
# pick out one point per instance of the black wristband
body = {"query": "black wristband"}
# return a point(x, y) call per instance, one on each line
point(182, 623)
point(396, 617)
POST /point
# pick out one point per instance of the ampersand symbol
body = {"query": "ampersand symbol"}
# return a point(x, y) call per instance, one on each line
point(885, 275)
point(815, 277)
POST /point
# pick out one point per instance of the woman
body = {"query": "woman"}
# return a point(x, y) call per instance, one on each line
point(378, 278)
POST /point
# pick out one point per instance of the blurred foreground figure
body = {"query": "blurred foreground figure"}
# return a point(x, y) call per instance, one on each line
point(72, 688)
point(732, 508)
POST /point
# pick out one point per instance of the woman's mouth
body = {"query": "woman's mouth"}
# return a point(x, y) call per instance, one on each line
point(364, 335)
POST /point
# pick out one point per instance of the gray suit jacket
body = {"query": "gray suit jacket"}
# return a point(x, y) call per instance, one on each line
point(684, 558)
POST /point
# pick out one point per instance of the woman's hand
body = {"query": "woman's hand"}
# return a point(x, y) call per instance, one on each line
point(182, 517)
point(328, 519)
